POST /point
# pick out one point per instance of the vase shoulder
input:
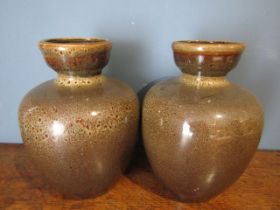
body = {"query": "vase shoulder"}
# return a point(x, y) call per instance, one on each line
point(106, 104)
point(103, 88)
point(177, 92)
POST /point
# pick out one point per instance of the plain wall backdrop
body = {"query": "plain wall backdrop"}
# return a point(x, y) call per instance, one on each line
point(142, 32)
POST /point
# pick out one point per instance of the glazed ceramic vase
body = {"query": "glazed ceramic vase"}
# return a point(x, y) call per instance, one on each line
point(200, 130)
point(80, 127)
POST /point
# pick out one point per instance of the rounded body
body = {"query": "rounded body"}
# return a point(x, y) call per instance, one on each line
point(200, 134)
point(200, 140)
point(82, 137)
point(80, 129)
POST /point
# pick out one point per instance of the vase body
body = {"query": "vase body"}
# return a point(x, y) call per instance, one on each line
point(200, 130)
point(79, 128)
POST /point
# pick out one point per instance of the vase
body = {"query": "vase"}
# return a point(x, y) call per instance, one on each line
point(79, 128)
point(200, 130)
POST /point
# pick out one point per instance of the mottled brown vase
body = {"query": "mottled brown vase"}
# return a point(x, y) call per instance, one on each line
point(200, 130)
point(80, 127)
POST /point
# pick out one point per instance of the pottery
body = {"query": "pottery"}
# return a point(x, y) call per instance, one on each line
point(200, 130)
point(80, 127)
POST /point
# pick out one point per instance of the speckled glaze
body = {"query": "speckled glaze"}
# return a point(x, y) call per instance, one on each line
point(80, 127)
point(200, 130)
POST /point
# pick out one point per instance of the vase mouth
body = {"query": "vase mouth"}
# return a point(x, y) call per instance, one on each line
point(76, 55)
point(208, 46)
point(68, 41)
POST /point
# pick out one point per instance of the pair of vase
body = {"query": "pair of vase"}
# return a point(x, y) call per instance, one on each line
point(199, 130)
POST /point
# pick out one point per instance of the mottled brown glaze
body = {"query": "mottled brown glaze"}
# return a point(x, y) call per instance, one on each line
point(206, 57)
point(80, 127)
point(76, 56)
point(200, 131)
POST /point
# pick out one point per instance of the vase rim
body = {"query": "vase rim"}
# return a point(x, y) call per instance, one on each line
point(197, 46)
point(75, 41)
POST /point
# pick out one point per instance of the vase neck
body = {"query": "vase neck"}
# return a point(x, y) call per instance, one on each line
point(207, 58)
point(83, 57)
point(203, 81)
point(76, 80)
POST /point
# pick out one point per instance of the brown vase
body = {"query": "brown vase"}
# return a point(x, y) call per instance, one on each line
point(200, 130)
point(80, 127)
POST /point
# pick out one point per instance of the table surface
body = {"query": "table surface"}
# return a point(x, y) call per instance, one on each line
point(21, 187)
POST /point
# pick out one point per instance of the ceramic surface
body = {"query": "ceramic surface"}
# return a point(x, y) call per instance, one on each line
point(200, 130)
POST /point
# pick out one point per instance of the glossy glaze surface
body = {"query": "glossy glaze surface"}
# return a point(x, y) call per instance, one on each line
point(80, 130)
point(200, 131)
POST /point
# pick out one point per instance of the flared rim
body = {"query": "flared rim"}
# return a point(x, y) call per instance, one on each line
point(75, 41)
point(197, 46)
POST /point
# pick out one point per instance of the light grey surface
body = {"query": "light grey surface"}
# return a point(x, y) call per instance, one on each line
point(141, 32)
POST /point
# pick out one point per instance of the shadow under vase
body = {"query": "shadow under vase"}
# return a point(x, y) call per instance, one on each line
point(140, 173)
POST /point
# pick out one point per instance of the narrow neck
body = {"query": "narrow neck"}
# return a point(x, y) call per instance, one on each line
point(80, 73)
point(203, 81)
point(76, 80)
